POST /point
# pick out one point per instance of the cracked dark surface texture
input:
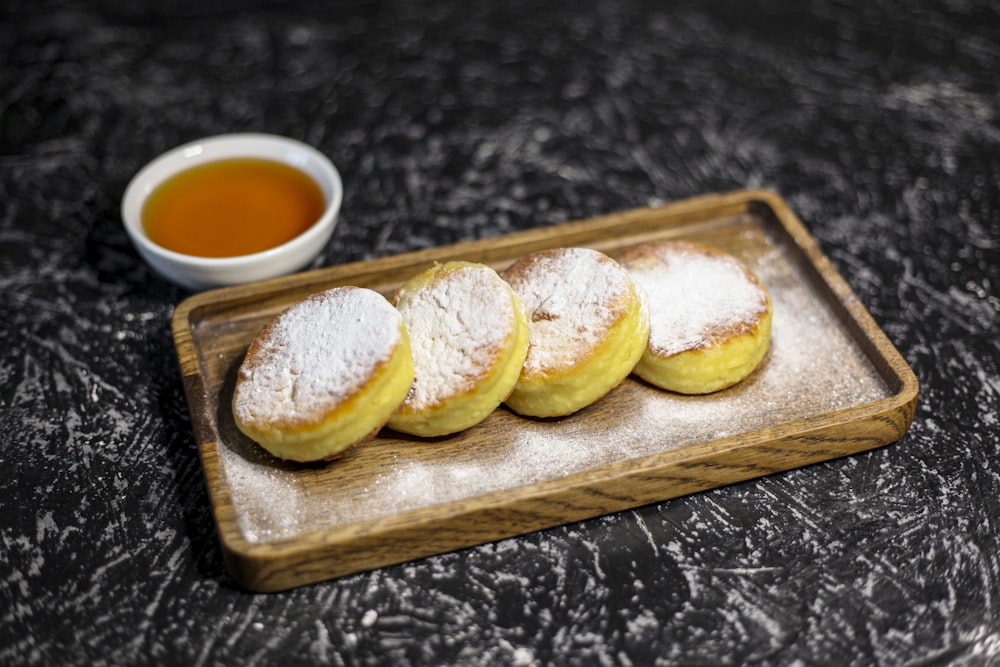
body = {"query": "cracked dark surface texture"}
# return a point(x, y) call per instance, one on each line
point(877, 121)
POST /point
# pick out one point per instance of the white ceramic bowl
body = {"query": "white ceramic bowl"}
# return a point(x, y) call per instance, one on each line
point(199, 273)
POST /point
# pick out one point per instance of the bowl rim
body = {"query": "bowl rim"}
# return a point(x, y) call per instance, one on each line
point(220, 147)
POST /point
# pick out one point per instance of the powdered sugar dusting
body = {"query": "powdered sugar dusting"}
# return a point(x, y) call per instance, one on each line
point(458, 323)
point(314, 355)
point(572, 296)
point(695, 296)
point(259, 520)
point(813, 367)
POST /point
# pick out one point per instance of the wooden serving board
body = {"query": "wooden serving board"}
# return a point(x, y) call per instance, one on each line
point(831, 385)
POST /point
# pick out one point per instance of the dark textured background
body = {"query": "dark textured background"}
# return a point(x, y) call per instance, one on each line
point(877, 122)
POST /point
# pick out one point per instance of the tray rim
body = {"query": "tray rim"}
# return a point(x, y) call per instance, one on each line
point(318, 555)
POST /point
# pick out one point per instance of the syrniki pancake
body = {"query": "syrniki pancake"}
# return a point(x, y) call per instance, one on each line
point(469, 338)
point(587, 328)
point(710, 316)
point(324, 374)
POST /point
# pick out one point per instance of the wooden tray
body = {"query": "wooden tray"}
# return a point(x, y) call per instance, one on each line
point(831, 385)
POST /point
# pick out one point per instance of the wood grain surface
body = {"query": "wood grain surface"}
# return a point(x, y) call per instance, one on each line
point(282, 525)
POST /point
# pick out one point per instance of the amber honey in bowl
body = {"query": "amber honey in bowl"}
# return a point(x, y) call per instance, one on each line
point(232, 207)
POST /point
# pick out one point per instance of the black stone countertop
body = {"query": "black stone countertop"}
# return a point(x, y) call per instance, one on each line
point(877, 121)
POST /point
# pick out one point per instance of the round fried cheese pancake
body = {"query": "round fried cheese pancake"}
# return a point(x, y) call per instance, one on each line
point(324, 374)
point(469, 338)
point(710, 316)
point(587, 328)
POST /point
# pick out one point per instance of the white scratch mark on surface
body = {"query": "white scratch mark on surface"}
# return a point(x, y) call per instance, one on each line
point(645, 531)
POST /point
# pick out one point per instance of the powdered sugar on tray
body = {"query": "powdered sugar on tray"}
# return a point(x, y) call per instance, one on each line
point(812, 368)
point(572, 296)
point(315, 354)
point(458, 323)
